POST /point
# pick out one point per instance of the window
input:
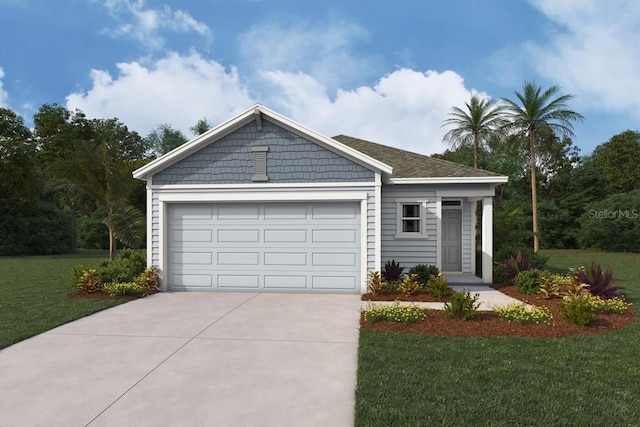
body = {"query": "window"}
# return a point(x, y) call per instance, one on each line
point(411, 218)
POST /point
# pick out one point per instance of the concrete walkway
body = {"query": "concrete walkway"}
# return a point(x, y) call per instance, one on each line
point(190, 359)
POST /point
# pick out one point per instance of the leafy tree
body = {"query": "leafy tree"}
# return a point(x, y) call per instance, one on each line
point(618, 159)
point(200, 127)
point(533, 110)
point(473, 126)
point(101, 167)
point(164, 138)
point(612, 224)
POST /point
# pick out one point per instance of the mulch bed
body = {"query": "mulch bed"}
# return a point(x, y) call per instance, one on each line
point(419, 296)
point(101, 295)
point(487, 324)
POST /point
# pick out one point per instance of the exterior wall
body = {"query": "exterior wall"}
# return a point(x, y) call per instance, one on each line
point(290, 159)
point(408, 252)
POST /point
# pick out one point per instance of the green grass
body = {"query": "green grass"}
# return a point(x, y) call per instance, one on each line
point(408, 380)
point(33, 294)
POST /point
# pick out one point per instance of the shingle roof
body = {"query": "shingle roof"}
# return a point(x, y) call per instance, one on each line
point(407, 164)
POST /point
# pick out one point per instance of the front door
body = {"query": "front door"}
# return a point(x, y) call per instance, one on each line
point(451, 240)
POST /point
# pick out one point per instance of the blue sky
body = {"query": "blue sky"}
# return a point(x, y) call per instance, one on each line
point(379, 70)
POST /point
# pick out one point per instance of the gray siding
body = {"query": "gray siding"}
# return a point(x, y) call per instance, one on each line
point(290, 159)
point(408, 252)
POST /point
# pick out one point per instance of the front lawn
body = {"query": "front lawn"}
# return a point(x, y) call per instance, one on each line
point(412, 380)
point(33, 294)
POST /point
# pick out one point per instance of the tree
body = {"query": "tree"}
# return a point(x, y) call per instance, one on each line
point(618, 159)
point(164, 138)
point(475, 125)
point(533, 110)
point(200, 127)
point(101, 167)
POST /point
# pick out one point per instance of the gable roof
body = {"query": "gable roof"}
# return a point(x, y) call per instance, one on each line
point(258, 113)
point(409, 167)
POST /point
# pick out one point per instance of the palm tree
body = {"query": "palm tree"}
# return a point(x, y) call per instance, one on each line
point(100, 169)
point(533, 110)
point(475, 125)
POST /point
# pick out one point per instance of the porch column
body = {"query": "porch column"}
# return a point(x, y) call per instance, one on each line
point(487, 240)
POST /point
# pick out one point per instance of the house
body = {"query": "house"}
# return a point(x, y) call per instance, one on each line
point(261, 202)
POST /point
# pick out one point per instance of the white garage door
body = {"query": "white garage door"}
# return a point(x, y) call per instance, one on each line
point(268, 246)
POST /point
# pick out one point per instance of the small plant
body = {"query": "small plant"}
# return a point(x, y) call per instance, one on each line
point(438, 286)
point(149, 278)
point(392, 271)
point(391, 285)
point(549, 288)
point(528, 281)
point(394, 313)
point(575, 289)
point(462, 306)
point(374, 282)
point(409, 285)
point(89, 281)
point(612, 305)
point(125, 288)
point(516, 265)
point(578, 310)
point(521, 313)
point(601, 284)
point(424, 272)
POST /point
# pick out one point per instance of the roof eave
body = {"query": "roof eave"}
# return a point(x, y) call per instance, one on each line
point(499, 179)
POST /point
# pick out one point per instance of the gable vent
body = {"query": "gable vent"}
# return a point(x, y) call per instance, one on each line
point(260, 164)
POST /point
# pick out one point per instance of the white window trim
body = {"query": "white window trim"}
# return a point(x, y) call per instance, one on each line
point(422, 234)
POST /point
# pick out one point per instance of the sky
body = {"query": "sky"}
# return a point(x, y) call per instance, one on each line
point(381, 70)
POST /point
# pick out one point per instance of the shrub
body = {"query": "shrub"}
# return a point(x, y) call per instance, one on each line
point(125, 288)
point(391, 285)
point(516, 265)
point(149, 278)
point(392, 271)
point(462, 306)
point(601, 284)
point(374, 282)
point(578, 310)
point(91, 233)
point(528, 282)
point(423, 272)
point(549, 288)
point(438, 286)
point(127, 266)
point(409, 285)
point(89, 281)
point(521, 313)
point(394, 313)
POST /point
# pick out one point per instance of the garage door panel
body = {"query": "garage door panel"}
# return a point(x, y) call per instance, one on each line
point(269, 246)
point(334, 236)
point(285, 282)
point(285, 258)
point(285, 236)
point(238, 258)
point(238, 281)
point(239, 235)
point(334, 283)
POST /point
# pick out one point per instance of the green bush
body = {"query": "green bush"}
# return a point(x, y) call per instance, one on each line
point(578, 310)
point(394, 313)
point(462, 306)
point(91, 233)
point(127, 267)
point(438, 286)
point(521, 313)
point(424, 272)
point(125, 288)
point(528, 282)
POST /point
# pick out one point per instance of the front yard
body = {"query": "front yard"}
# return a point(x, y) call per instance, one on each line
point(414, 380)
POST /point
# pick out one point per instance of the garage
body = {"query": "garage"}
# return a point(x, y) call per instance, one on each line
point(266, 246)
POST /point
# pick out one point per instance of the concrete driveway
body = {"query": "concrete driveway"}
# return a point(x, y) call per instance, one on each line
point(190, 359)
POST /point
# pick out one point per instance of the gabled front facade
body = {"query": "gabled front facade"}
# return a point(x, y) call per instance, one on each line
point(262, 203)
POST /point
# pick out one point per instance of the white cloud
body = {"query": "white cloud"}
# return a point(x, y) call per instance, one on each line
point(4, 96)
point(178, 90)
point(322, 50)
point(593, 52)
point(404, 109)
point(145, 25)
